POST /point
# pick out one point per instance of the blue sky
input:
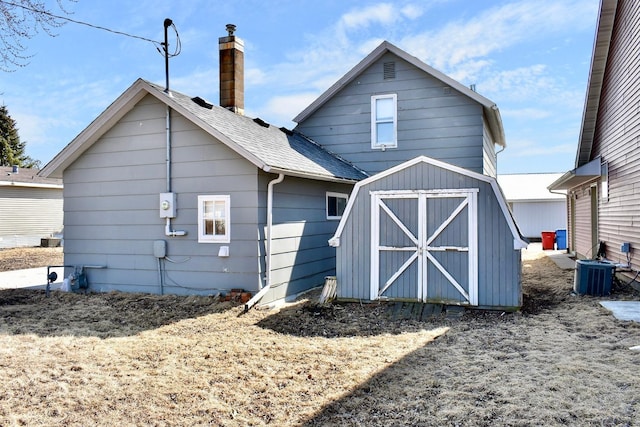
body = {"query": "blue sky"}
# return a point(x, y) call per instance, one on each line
point(531, 57)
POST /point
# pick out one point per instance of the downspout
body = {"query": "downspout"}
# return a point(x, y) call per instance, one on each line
point(263, 290)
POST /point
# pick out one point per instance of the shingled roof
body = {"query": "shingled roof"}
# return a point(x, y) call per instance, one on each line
point(26, 177)
point(269, 148)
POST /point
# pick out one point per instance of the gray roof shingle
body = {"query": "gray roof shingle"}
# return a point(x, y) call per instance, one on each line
point(281, 149)
point(26, 177)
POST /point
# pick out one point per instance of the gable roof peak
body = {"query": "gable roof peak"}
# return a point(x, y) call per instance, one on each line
point(489, 108)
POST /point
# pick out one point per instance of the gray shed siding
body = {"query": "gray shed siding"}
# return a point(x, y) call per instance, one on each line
point(301, 258)
point(433, 120)
point(112, 216)
point(498, 262)
point(490, 160)
point(29, 214)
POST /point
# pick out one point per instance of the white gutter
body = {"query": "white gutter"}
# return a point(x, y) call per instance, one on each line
point(28, 184)
point(263, 290)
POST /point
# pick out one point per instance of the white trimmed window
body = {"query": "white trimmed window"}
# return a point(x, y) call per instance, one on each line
point(336, 204)
point(384, 121)
point(213, 219)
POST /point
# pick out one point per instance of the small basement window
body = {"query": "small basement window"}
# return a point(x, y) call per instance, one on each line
point(384, 120)
point(336, 204)
point(213, 219)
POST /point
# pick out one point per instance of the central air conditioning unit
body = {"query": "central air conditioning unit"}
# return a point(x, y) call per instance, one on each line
point(593, 277)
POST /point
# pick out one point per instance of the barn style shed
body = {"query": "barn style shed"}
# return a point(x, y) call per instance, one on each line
point(429, 231)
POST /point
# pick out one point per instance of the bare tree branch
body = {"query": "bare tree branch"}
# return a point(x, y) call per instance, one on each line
point(21, 20)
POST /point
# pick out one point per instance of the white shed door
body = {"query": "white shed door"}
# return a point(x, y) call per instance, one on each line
point(424, 245)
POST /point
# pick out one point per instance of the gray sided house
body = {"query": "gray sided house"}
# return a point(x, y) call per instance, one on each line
point(421, 228)
point(392, 107)
point(168, 193)
point(426, 230)
point(30, 207)
point(197, 220)
point(604, 205)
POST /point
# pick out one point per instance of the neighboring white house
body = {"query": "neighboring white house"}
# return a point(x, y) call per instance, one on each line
point(534, 207)
point(30, 207)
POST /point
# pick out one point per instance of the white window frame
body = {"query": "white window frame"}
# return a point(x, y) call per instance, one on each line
point(375, 121)
point(337, 196)
point(214, 238)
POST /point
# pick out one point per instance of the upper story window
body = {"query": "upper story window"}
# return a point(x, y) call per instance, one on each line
point(384, 121)
point(336, 204)
point(213, 219)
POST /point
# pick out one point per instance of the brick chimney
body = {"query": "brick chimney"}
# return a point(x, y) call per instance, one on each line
point(232, 71)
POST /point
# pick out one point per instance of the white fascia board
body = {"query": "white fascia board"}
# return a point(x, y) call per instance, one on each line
point(30, 185)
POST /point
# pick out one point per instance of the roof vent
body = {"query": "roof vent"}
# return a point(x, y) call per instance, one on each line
point(201, 102)
point(389, 70)
point(261, 122)
point(286, 131)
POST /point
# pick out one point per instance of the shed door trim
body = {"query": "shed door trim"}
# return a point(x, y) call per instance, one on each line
point(423, 247)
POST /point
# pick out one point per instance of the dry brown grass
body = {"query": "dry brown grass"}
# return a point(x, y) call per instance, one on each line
point(20, 258)
point(115, 359)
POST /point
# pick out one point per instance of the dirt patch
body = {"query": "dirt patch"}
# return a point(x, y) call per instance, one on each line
point(133, 359)
point(21, 258)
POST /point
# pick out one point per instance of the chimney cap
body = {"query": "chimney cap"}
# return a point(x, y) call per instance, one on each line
point(231, 28)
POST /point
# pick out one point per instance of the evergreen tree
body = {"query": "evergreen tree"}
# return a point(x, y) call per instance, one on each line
point(12, 150)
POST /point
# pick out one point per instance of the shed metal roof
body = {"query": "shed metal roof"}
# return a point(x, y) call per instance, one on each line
point(529, 187)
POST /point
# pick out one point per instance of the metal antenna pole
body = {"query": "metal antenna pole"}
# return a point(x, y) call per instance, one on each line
point(167, 23)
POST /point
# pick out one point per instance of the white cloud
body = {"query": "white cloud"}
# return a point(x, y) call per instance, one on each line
point(526, 113)
point(282, 109)
point(529, 148)
point(412, 11)
point(463, 42)
point(382, 13)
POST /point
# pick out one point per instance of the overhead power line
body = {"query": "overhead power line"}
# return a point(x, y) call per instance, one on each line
point(64, 18)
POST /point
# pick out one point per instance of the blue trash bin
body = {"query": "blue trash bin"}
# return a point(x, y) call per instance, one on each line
point(561, 239)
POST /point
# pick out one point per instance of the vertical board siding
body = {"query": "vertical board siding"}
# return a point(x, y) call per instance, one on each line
point(490, 166)
point(112, 208)
point(498, 262)
point(616, 138)
point(432, 121)
point(29, 214)
point(301, 257)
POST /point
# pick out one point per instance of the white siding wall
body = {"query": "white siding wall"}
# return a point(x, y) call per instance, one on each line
point(29, 214)
point(535, 217)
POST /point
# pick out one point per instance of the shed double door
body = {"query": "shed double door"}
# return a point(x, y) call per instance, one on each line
point(424, 246)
